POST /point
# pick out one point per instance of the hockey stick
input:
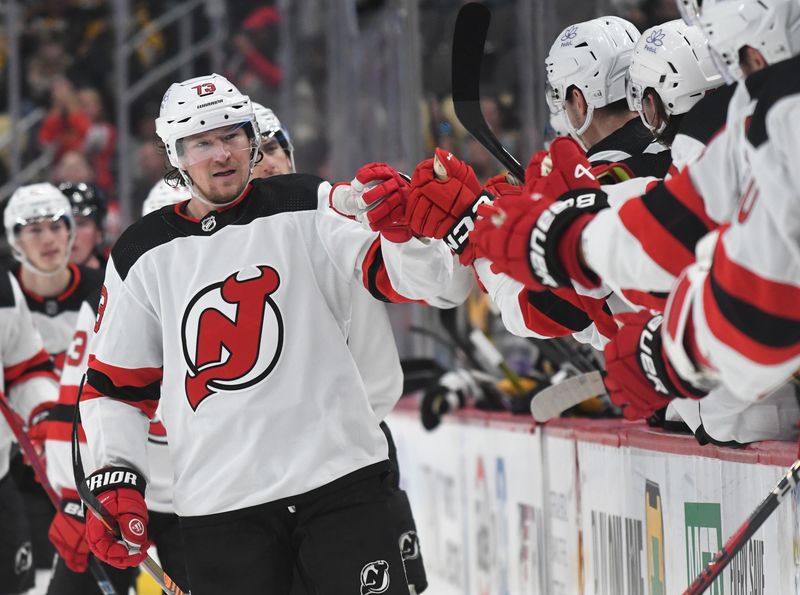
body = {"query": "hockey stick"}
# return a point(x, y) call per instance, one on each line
point(554, 400)
point(469, 39)
point(743, 534)
point(16, 424)
point(96, 507)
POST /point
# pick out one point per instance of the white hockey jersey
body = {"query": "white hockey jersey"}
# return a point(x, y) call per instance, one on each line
point(28, 378)
point(736, 321)
point(238, 323)
point(55, 317)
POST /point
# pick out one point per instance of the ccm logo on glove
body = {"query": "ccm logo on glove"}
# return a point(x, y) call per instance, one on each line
point(456, 238)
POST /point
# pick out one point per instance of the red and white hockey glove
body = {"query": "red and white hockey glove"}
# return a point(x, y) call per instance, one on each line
point(536, 242)
point(377, 199)
point(121, 491)
point(564, 167)
point(640, 378)
point(443, 204)
point(68, 532)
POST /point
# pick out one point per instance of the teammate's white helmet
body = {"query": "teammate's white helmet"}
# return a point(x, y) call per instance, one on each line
point(163, 194)
point(32, 204)
point(199, 105)
point(672, 59)
point(270, 127)
point(594, 57)
point(770, 26)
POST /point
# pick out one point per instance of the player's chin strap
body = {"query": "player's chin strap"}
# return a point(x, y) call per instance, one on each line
point(96, 507)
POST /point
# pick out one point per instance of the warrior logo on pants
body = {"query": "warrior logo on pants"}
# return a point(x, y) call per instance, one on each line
point(232, 334)
point(375, 577)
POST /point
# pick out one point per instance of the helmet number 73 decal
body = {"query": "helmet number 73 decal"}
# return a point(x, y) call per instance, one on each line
point(232, 334)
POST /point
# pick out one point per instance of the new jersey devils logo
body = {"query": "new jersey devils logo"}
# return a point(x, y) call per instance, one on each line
point(232, 334)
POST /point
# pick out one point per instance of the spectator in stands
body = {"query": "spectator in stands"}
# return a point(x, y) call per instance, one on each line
point(46, 67)
point(65, 127)
point(100, 138)
point(73, 166)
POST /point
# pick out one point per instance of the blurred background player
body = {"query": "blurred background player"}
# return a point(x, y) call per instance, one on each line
point(89, 211)
point(29, 384)
point(40, 230)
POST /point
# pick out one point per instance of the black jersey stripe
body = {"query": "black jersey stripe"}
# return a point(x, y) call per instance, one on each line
point(674, 216)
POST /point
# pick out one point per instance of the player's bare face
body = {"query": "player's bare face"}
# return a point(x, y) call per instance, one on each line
point(273, 161)
point(87, 236)
point(45, 244)
point(218, 161)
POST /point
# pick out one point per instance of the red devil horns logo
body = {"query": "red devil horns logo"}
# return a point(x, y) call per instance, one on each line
point(232, 334)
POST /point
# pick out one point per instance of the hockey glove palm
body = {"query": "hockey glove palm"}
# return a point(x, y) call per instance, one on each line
point(121, 491)
point(68, 533)
point(377, 199)
point(639, 377)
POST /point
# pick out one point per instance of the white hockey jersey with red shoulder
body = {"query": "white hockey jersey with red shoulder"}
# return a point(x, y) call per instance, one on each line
point(736, 320)
point(28, 378)
point(643, 243)
point(55, 317)
point(238, 323)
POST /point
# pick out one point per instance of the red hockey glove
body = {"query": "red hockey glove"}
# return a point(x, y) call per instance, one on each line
point(68, 533)
point(639, 377)
point(565, 167)
point(377, 199)
point(121, 491)
point(445, 208)
point(535, 241)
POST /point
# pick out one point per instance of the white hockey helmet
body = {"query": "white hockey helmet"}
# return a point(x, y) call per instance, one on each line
point(163, 194)
point(673, 60)
point(270, 127)
point(198, 105)
point(594, 57)
point(33, 204)
point(770, 26)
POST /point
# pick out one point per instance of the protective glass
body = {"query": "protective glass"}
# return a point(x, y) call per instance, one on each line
point(218, 145)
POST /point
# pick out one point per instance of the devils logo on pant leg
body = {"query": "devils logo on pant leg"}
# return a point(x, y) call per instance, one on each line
point(232, 334)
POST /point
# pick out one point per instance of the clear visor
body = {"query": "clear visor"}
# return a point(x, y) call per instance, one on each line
point(221, 145)
point(43, 217)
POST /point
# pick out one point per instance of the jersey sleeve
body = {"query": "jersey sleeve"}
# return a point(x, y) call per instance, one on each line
point(543, 314)
point(59, 432)
point(735, 321)
point(30, 379)
point(124, 373)
point(415, 270)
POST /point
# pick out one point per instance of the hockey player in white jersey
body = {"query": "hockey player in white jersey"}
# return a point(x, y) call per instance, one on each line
point(30, 385)
point(41, 230)
point(233, 310)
